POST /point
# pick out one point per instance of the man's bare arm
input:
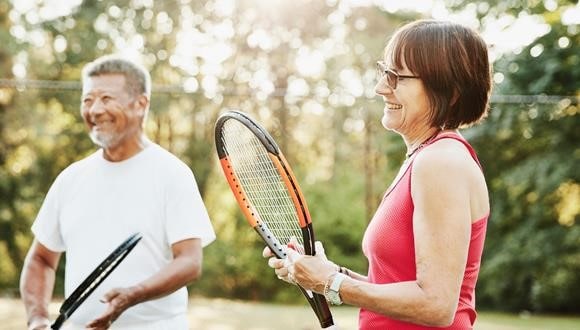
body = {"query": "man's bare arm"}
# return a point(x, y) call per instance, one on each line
point(37, 284)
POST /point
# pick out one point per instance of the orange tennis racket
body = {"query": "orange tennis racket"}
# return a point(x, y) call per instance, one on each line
point(267, 191)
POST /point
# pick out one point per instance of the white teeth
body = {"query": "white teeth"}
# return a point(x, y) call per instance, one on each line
point(392, 106)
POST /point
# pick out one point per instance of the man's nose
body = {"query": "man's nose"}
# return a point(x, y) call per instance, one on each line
point(98, 107)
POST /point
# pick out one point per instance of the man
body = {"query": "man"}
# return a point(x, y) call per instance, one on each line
point(129, 185)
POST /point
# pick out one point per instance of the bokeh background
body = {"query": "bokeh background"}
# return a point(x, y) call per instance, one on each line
point(306, 70)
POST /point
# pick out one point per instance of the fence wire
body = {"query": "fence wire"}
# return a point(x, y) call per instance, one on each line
point(27, 84)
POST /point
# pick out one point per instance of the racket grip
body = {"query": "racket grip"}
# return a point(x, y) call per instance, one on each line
point(58, 322)
point(325, 316)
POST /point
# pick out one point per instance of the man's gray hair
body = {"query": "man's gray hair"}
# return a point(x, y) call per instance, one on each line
point(137, 78)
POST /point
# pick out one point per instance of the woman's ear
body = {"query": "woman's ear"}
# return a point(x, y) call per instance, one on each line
point(454, 97)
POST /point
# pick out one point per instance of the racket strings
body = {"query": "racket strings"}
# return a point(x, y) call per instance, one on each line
point(263, 185)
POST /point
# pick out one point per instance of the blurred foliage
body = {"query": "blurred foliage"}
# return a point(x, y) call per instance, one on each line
point(305, 69)
point(532, 256)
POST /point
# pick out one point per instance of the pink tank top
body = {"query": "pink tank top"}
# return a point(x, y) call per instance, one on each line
point(389, 248)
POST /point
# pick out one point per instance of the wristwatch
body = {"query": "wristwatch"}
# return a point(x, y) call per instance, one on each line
point(332, 293)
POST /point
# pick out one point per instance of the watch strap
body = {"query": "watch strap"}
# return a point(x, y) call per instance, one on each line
point(332, 293)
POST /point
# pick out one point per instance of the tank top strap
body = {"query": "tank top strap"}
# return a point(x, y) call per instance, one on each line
point(458, 137)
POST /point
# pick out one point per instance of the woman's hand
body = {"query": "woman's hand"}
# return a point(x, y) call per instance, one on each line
point(280, 266)
point(310, 272)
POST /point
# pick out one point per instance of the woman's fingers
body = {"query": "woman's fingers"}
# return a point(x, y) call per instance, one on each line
point(275, 263)
point(267, 253)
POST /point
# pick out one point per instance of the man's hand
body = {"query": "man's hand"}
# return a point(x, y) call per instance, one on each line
point(39, 323)
point(119, 300)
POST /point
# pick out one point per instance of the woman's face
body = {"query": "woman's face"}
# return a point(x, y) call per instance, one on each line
point(407, 106)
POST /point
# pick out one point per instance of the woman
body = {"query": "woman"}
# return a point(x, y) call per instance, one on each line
point(425, 241)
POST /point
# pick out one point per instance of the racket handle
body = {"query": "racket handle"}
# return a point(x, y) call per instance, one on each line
point(319, 306)
point(58, 322)
point(309, 293)
point(275, 246)
point(325, 316)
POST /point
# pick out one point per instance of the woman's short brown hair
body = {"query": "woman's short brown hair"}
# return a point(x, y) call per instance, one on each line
point(453, 64)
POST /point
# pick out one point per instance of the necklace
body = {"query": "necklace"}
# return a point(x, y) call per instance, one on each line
point(424, 143)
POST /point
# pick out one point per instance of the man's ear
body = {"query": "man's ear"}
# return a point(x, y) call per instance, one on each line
point(142, 103)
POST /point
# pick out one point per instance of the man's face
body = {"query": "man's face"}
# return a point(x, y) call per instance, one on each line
point(112, 114)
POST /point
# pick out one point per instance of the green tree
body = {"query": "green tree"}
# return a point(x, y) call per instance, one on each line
point(305, 70)
point(532, 255)
point(13, 161)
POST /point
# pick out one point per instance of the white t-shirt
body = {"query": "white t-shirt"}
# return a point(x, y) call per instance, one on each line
point(94, 205)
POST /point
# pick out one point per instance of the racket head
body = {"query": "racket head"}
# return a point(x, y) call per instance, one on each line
point(263, 183)
point(251, 159)
point(95, 278)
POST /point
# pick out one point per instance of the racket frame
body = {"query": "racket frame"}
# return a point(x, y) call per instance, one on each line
point(94, 279)
point(316, 301)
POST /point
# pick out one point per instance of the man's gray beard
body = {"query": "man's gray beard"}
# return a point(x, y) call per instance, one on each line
point(102, 140)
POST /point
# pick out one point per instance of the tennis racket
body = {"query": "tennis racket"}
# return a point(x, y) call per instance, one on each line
point(267, 191)
point(94, 279)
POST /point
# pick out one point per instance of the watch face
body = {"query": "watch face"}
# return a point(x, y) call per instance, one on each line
point(333, 295)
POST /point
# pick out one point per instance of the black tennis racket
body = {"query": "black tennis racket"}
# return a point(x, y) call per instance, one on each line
point(267, 191)
point(94, 279)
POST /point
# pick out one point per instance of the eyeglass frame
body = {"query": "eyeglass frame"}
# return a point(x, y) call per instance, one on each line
point(383, 71)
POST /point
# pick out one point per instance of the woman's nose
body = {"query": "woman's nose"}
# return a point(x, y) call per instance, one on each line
point(381, 88)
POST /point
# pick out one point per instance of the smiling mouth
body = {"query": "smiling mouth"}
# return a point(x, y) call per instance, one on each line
point(392, 106)
point(101, 125)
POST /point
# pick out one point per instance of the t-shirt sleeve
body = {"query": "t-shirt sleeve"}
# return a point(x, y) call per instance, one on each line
point(46, 227)
point(186, 214)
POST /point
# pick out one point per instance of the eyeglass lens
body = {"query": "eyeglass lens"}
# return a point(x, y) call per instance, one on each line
point(392, 77)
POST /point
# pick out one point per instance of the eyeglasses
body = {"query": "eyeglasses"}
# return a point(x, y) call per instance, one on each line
point(392, 76)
